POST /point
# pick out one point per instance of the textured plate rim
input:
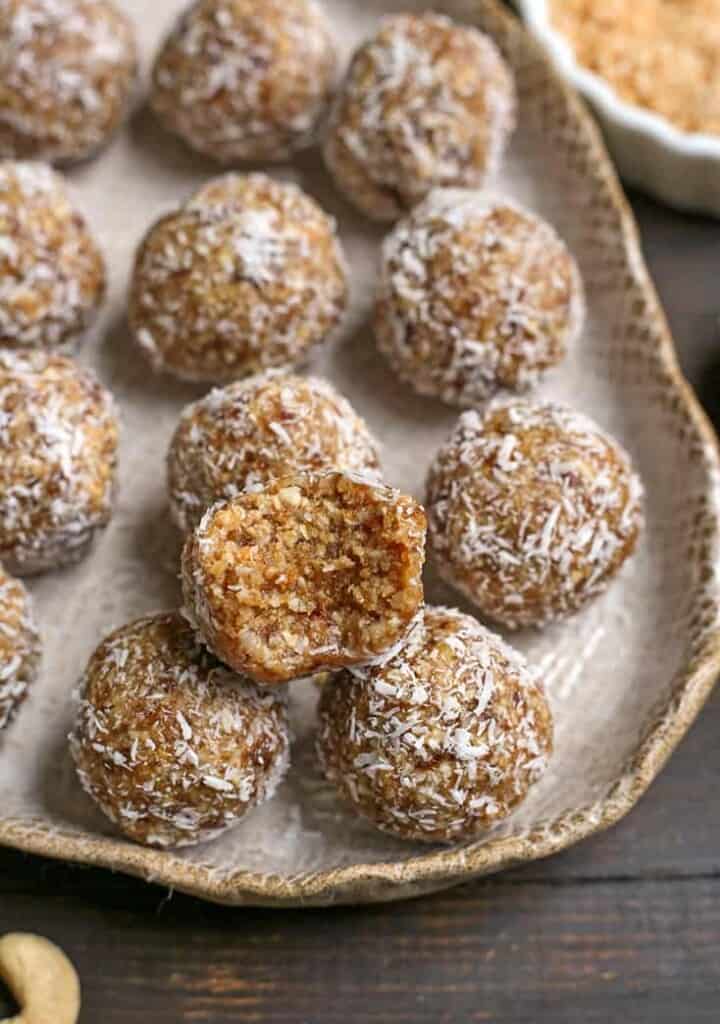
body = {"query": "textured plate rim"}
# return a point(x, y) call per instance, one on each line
point(388, 880)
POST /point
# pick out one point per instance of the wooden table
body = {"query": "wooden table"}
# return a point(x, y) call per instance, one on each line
point(623, 928)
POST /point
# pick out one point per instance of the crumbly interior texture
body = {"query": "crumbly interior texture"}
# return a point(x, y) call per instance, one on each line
point(67, 72)
point(19, 646)
point(532, 510)
point(476, 294)
point(58, 445)
point(173, 746)
point(247, 276)
point(425, 103)
point(444, 740)
point(663, 55)
point(242, 436)
point(242, 80)
point(314, 572)
point(52, 273)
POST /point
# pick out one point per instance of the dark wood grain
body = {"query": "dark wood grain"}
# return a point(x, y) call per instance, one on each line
point(623, 928)
point(509, 949)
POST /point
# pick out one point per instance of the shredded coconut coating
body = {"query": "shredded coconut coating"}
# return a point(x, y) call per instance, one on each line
point(67, 73)
point(173, 746)
point(242, 80)
point(19, 646)
point(315, 572)
point(532, 510)
point(425, 103)
point(444, 740)
point(247, 276)
point(52, 273)
point(476, 294)
point(58, 444)
point(240, 437)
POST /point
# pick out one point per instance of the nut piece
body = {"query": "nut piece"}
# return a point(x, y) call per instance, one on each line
point(174, 747)
point(67, 72)
point(52, 271)
point(41, 979)
point(476, 294)
point(58, 445)
point(242, 80)
point(248, 275)
point(444, 740)
point(532, 510)
point(239, 437)
point(315, 572)
point(19, 645)
point(425, 103)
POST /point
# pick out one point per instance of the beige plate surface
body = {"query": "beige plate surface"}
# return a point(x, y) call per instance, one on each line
point(626, 677)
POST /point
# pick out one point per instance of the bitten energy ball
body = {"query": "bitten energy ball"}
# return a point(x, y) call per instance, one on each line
point(425, 103)
point(67, 72)
point(242, 80)
point(240, 437)
point(532, 510)
point(315, 572)
point(19, 645)
point(248, 275)
point(476, 294)
point(52, 273)
point(173, 746)
point(444, 740)
point(58, 442)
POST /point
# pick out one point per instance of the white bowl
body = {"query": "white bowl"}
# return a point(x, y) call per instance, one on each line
point(679, 168)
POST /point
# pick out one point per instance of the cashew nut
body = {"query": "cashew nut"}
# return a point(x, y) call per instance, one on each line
point(41, 979)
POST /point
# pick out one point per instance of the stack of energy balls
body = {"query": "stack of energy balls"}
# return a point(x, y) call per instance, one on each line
point(299, 559)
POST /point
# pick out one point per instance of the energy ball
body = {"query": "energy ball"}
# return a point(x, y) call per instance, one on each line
point(58, 444)
point(67, 72)
point(173, 746)
point(444, 740)
point(226, 191)
point(476, 294)
point(247, 276)
point(532, 510)
point(240, 437)
point(52, 273)
point(315, 572)
point(19, 646)
point(242, 80)
point(426, 103)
